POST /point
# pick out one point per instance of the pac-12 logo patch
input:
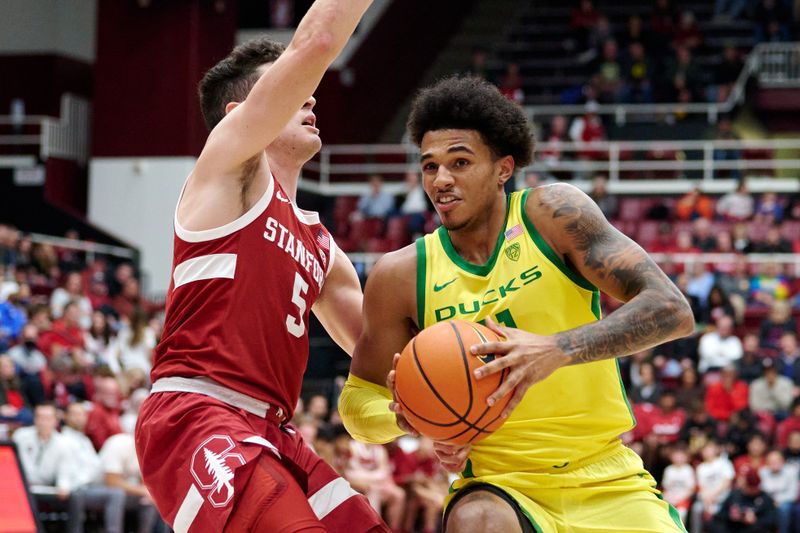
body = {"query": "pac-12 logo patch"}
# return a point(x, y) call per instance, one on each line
point(213, 466)
point(512, 252)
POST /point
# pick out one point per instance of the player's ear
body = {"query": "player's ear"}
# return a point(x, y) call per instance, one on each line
point(231, 106)
point(505, 169)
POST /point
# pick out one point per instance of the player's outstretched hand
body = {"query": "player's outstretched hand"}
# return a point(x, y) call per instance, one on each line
point(452, 457)
point(530, 358)
point(402, 423)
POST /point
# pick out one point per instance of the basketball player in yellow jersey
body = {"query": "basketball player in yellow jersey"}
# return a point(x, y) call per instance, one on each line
point(531, 266)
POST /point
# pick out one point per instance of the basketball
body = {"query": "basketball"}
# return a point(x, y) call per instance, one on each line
point(436, 386)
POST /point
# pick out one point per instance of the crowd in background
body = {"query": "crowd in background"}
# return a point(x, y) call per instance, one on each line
point(718, 412)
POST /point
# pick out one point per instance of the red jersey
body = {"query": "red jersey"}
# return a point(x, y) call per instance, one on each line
point(239, 299)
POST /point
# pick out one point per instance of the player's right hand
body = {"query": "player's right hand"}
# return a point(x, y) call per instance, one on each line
point(452, 456)
point(402, 423)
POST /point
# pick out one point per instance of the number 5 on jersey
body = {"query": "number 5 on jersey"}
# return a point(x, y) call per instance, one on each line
point(295, 325)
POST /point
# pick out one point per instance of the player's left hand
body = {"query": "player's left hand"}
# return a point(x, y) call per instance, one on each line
point(530, 358)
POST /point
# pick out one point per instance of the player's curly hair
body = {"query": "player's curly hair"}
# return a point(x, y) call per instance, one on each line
point(231, 79)
point(472, 103)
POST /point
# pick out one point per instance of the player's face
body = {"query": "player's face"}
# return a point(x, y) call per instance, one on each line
point(461, 176)
point(300, 136)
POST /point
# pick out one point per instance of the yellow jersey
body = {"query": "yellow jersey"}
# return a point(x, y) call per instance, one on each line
point(578, 412)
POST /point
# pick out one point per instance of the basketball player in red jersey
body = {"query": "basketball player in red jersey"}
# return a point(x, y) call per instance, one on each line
point(213, 444)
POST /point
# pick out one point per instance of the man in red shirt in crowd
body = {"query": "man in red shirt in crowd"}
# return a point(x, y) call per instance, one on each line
point(65, 335)
point(663, 421)
point(726, 396)
point(104, 417)
point(792, 423)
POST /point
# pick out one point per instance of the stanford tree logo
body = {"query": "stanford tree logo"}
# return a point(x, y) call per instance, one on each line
point(213, 465)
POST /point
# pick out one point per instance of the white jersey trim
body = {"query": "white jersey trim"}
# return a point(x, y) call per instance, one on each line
point(331, 496)
point(188, 510)
point(229, 228)
point(332, 259)
point(213, 266)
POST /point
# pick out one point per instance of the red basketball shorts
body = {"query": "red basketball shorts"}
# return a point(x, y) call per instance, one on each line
point(206, 462)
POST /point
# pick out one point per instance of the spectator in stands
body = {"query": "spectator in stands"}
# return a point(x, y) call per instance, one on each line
point(426, 486)
point(682, 282)
point(714, 479)
point(130, 299)
point(638, 74)
point(12, 317)
point(679, 483)
point(690, 391)
point(780, 481)
point(598, 35)
point(46, 459)
point(771, 22)
point(699, 428)
point(770, 285)
point(582, 19)
point(694, 204)
point(30, 363)
point(736, 205)
point(609, 71)
point(742, 425)
point(14, 406)
point(682, 73)
point(551, 150)
point(478, 63)
point(122, 273)
point(666, 419)
point(66, 335)
point(747, 509)
point(104, 418)
point(726, 73)
point(101, 341)
point(511, 84)
point(789, 357)
point(769, 209)
point(662, 21)
point(648, 390)
point(750, 366)
point(72, 291)
point(778, 322)
point(634, 33)
point(727, 395)
point(687, 34)
point(135, 344)
point(587, 130)
point(773, 242)
point(755, 457)
point(607, 203)
point(700, 283)
point(377, 203)
point(121, 470)
point(702, 236)
point(720, 347)
point(718, 305)
point(368, 472)
point(741, 238)
point(89, 492)
point(789, 425)
point(725, 132)
point(792, 450)
point(415, 204)
point(318, 407)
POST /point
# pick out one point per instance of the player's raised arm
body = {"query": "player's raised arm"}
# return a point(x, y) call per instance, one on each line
point(282, 89)
point(387, 326)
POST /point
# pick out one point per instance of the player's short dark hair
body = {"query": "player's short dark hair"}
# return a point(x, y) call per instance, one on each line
point(472, 103)
point(231, 79)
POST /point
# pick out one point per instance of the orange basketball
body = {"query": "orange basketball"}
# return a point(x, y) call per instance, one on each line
point(436, 386)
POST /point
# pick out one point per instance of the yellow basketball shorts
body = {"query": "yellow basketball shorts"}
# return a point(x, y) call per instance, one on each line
point(612, 494)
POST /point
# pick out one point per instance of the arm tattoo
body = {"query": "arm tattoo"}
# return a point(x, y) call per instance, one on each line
point(655, 311)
